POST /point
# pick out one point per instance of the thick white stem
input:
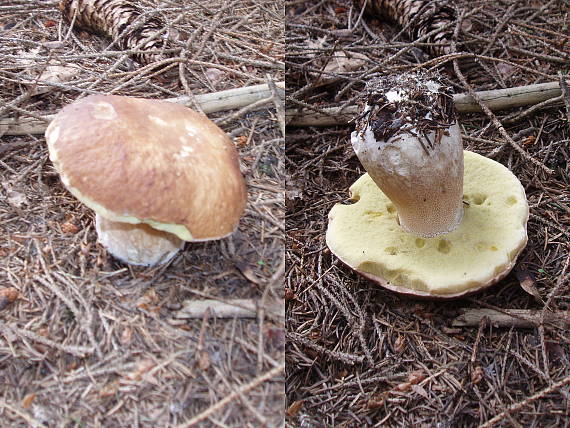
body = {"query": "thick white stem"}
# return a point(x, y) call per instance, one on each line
point(425, 183)
point(137, 244)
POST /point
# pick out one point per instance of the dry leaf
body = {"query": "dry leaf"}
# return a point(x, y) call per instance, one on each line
point(204, 360)
point(403, 387)
point(17, 199)
point(294, 408)
point(109, 390)
point(14, 198)
point(142, 368)
point(527, 282)
point(418, 389)
point(289, 294)
point(529, 140)
point(8, 296)
point(477, 375)
point(247, 272)
point(214, 75)
point(57, 74)
point(51, 73)
point(316, 44)
point(416, 377)
point(72, 365)
point(506, 70)
point(241, 141)
point(466, 25)
point(28, 400)
point(377, 400)
point(400, 344)
point(149, 301)
point(69, 228)
point(127, 336)
point(342, 62)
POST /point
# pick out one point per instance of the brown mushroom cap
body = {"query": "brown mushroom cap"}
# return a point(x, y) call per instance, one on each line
point(135, 160)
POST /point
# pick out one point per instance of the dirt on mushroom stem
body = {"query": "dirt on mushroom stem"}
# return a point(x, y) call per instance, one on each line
point(409, 142)
point(407, 103)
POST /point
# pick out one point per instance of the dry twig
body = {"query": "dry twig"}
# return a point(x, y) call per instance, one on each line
point(244, 389)
point(507, 318)
point(251, 97)
point(238, 308)
point(496, 100)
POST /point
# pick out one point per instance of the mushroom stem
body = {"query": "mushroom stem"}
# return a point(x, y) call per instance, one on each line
point(410, 144)
point(137, 244)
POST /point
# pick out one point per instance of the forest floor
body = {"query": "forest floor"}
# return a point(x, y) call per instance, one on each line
point(87, 341)
point(358, 355)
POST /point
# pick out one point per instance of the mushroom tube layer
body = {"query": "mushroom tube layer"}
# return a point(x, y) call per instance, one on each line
point(483, 249)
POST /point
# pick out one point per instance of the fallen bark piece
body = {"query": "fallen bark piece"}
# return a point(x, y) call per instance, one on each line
point(209, 103)
point(238, 308)
point(340, 62)
point(498, 99)
point(50, 73)
point(55, 74)
point(519, 318)
point(110, 18)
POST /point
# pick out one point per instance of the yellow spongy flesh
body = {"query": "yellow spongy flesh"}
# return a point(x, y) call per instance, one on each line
point(366, 236)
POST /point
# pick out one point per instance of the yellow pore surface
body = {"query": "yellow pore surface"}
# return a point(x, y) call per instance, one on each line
point(367, 237)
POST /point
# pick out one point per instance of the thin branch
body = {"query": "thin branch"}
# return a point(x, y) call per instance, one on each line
point(498, 99)
point(518, 406)
point(486, 108)
point(234, 395)
point(209, 103)
point(78, 351)
point(519, 318)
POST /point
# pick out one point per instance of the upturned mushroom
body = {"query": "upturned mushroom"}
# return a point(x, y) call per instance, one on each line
point(429, 219)
point(156, 174)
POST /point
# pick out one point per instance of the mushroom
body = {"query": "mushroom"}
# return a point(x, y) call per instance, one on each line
point(410, 144)
point(429, 219)
point(156, 174)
